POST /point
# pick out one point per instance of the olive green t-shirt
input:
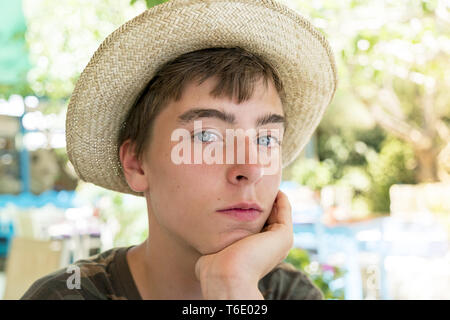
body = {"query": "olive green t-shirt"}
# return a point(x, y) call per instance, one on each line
point(107, 276)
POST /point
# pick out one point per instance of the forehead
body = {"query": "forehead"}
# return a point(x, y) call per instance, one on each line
point(264, 99)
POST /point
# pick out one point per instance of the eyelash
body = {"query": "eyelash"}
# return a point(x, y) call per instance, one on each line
point(193, 135)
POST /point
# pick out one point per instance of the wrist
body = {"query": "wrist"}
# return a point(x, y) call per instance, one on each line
point(231, 288)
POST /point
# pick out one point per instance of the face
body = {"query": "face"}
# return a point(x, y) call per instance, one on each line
point(183, 199)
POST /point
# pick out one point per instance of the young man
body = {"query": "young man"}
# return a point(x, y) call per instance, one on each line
point(217, 230)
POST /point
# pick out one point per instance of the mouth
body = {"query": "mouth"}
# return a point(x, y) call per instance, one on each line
point(242, 211)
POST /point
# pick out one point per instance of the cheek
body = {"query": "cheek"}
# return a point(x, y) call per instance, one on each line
point(183, 193)
point(270, 185)
point(175, 209)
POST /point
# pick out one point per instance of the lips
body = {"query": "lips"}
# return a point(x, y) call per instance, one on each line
point(242, 211)
point(243, 206)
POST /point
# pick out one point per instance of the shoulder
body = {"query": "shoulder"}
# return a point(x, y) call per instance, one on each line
point(285, 282)
point(85, 279)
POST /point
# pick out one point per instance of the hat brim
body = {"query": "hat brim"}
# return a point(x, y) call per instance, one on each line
point(128, 58)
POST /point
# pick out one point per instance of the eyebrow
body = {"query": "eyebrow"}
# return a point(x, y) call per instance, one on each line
point(198, 113)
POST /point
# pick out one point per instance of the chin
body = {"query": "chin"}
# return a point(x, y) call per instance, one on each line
point(227, 239)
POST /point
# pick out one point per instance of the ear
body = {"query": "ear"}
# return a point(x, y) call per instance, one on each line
point(132, 168)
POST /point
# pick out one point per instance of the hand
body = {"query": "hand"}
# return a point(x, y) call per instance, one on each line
point(235, 271)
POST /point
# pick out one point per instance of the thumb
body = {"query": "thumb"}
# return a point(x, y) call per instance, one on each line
point(274, 214)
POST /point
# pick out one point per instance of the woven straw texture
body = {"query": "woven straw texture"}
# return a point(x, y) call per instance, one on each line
point(129, 57)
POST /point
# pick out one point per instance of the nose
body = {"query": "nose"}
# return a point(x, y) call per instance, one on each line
point(247, 171)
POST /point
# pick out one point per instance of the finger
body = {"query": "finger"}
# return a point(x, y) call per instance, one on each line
point(281, 212)
point(284, 218)
point(284, 209)
point(274, 212)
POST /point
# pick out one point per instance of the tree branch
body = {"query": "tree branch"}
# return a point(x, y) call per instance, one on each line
point(429, 115)
point(396, 126)
point(443, 130)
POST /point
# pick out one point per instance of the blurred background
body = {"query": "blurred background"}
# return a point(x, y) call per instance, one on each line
point(370, 193)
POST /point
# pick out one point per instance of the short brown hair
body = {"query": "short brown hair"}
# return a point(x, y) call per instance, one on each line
point(236, 69)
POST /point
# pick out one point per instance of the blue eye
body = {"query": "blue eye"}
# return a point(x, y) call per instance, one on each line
point(205, 136)
point(268, 139)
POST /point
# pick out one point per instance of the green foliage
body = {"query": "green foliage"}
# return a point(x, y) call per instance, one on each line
point(21, 88)
point(124, 215)
point(345, 147)
point(14, 62)
point(428, 6)
point(394, 165)
point(60, 45)
point(132, 221)
point(313, 173)
point(322, 275)
point(372, 138)
point(369, 161)
point(150, 3)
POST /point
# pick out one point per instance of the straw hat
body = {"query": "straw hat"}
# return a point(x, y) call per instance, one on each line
point(128, 58)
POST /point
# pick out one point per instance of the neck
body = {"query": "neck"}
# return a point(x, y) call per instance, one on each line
point(163, 267)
